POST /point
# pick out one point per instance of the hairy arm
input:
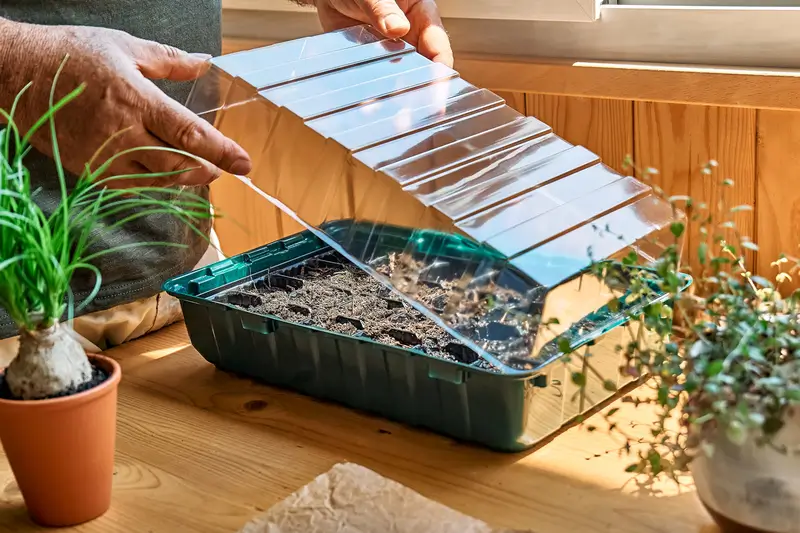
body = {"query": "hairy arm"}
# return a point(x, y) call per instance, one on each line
point(14, 38)
point(117, 69)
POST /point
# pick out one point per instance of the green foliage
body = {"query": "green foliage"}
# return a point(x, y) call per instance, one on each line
point(724, 358)
point(39, 254)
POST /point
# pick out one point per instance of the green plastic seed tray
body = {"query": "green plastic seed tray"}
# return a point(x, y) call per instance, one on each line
point(455, 393)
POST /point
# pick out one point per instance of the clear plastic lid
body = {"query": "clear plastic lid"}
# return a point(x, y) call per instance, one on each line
point(479, 217)
point(419, 144)
point(412, 120)
point(210, 91)
point(509, 215)
point(395, 108)
point(240, 63)
point(444, 155)
point(341, 82)
point(439, 186)
point(480, 194)
point(322, 64)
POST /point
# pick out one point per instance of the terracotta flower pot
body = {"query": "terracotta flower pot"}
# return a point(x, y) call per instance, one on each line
point(62, 450)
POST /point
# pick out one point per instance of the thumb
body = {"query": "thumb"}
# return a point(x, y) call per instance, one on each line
point(386, 16)
point(158, 61)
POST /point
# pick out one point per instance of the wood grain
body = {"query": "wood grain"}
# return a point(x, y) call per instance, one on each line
point(684, 84)
point(514, 100)
point(231, 45)
point(678, 140)
point(603, 126)
point(246, 220)
point(201, 450)
point(778, 200)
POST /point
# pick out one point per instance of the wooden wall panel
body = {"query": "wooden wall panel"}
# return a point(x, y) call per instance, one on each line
point(603, 126)
point(679, 140)
point(778, 192)
point(246, 219)
point(515, 100)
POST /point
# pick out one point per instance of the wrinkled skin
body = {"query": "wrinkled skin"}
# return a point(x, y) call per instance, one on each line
point(117, 69)
point(416, 21)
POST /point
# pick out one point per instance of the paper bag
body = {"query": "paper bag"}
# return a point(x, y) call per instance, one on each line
point(352, 499)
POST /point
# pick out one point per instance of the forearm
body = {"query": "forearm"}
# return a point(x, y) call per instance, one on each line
point(26, 52)
point(12, 36)
point(20, 47)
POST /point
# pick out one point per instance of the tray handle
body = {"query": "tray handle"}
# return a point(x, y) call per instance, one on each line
point(446, 372)
point(258, 324)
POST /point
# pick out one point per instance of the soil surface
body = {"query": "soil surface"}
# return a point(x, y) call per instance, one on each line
point(340, 297)
point(98, 376)
point(490, 305)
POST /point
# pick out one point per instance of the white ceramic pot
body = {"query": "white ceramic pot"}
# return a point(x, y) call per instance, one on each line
point(751, 488)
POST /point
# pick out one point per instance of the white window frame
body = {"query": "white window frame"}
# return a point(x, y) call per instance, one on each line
point(551, 10)
point(764, 37)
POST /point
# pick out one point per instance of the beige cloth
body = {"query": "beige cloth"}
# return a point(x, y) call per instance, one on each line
point(352, 499)
point(112, 327)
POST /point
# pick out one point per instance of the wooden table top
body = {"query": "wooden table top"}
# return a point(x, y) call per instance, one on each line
point(201, 450)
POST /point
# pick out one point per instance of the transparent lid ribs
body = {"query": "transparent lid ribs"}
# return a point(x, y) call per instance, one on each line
point(481, 218)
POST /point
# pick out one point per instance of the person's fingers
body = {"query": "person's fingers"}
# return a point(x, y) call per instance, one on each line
point(386, 16)
point(158, 61)
point(419, 23)
point(179, 128)
point(435, 45)
point(192, 171)
point(428, 33)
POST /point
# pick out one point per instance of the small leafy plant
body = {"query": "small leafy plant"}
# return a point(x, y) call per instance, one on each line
point(723, 359)
point(39, 254)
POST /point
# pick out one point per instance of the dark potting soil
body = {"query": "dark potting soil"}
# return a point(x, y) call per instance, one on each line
point(98, 376)
point(342, 298)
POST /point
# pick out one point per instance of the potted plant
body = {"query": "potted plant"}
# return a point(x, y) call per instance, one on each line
point(58, 404)
point(725, 376)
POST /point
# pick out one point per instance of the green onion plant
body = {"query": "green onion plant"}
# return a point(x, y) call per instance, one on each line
point(39, 253)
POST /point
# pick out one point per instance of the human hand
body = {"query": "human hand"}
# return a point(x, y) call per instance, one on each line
point(117, 69)
point(417, 21)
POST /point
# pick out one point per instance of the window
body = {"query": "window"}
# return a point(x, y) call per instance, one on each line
point(730, 33)
point(551, 10)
